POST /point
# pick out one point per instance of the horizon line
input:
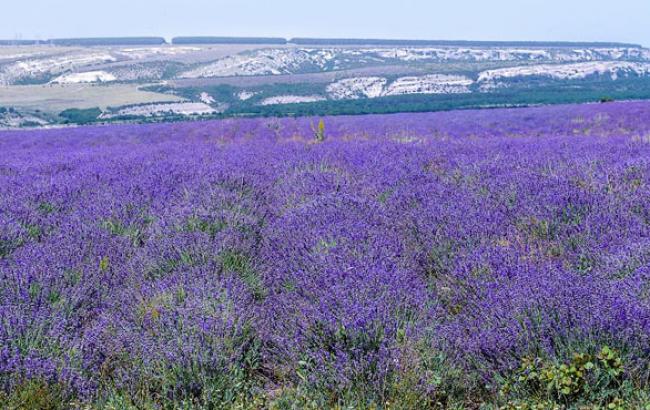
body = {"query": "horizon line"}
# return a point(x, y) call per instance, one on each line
point(210, 39)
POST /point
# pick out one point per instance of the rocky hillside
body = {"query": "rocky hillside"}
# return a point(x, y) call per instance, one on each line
point(221, 75)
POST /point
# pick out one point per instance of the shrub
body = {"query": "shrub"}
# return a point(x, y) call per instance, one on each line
point(583, 380)
point(319, 131)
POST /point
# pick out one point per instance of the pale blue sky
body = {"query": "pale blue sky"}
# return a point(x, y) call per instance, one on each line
point(574, 20)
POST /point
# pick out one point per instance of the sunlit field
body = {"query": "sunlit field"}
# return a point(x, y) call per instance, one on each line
point(445, 260)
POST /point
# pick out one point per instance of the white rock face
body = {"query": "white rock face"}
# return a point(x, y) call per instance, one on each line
point(138, 72)
point(373, 87)
point(355, 88)
point(206, 98)
point(261, 62)
point(292, 60)
point(14, 120)
point(87, 77)
point(430, 84)
point(152, 110)
point(494, 78)
point(462, 54)
point(52, 65)
point(246, 95)
point(512, 54)
point(292, 99)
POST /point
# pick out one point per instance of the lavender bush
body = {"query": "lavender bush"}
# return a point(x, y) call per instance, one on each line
point(449, 260)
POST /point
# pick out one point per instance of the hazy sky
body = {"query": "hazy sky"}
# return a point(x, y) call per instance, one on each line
point(575, 20)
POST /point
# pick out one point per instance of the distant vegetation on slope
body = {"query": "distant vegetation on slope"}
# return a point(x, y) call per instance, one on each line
point(264, 76)
point(451, 43)
point(77, 116)
point(549, 93)
point(228, 40)
point(108, 41)
point(20, 42)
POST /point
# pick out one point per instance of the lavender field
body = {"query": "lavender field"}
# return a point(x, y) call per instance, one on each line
point(492, 259)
